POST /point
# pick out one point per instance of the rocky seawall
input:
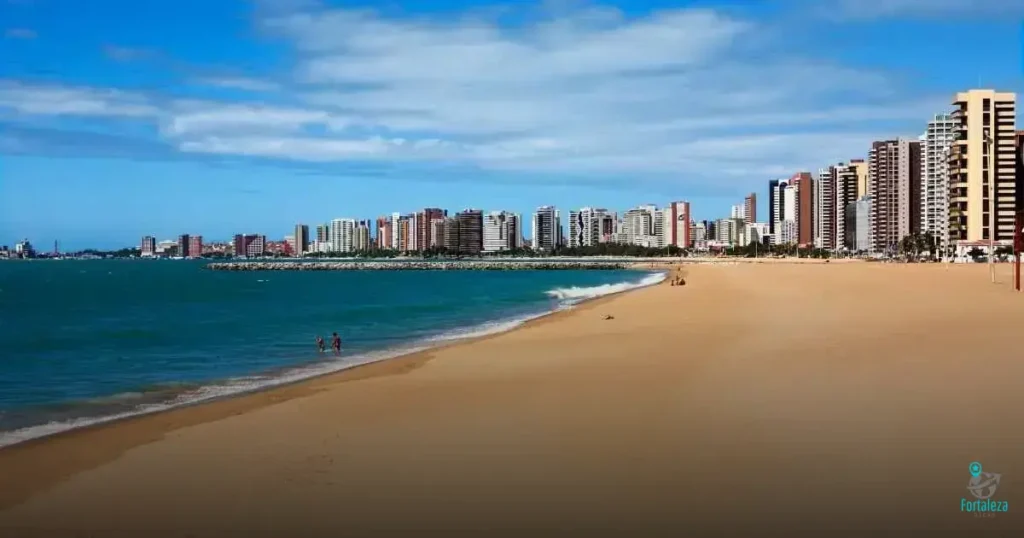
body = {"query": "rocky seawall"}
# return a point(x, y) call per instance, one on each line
point(419, 266)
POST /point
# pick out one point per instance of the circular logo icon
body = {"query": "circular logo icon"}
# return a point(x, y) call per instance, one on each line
point(975, 469)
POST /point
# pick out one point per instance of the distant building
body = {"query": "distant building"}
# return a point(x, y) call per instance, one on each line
point(195, 246)
point(183, 245)
point(676, 227)
point(501, 231)
point(471, 231)
point(250, 245)
point(424, 226)
point(24, 249)
point(437, 232)
point(148, 246)
point(342, 233)
point(385, 233)
point(859, 238)
point(804, 184)
point(451, 235)
point(362, 240)
point(300, 240)
point(547, 229)
point(750, 208)
point(935, 143)
point(894, 171)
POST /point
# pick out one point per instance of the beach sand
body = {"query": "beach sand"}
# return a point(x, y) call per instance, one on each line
point(818, 399)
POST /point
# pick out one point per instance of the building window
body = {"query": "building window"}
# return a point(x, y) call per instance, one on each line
point(986, 105)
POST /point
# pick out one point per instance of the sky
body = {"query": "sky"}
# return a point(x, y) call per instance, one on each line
point(120, 119)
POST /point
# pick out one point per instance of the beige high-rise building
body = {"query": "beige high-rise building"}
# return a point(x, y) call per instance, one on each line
point(848, 186)
point(983, 151)
point(894, 168)
point(860, 169)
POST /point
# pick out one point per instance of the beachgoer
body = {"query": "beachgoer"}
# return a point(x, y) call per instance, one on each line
point(336, 344)
point(320, 344)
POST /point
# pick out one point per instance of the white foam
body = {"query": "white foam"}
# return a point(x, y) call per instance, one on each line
point(205, 393)
point(576, 294)
point(567, 297)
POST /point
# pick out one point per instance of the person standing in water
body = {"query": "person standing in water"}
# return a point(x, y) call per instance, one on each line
point(336, 344)
point(320, 343)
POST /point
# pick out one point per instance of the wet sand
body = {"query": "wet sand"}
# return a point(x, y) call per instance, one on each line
point(816, 399)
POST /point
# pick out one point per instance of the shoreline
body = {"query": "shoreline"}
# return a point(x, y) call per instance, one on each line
point(326, 367)
point(140, 429)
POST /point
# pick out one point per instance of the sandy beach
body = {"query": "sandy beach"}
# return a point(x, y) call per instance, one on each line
point(840, 399)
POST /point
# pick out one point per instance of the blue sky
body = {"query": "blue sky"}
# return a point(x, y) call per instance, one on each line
point(125, 118)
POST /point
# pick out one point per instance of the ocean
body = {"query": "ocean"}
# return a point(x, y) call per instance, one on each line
point(87, 341)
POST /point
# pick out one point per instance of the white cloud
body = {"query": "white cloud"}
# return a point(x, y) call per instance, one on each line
point(75, 101)
point(673, 94)
point(240, 83)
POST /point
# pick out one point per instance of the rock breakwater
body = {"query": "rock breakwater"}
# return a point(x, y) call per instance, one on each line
point(419, 266)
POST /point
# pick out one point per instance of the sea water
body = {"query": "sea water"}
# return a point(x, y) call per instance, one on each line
point(86, 341)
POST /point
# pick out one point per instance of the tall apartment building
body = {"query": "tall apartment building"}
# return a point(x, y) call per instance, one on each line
point(825, 209)
point(424, 223)
point(342, 234)
point(148, 246)
point(451, 235)
point(981, 163)
point(385, 233)
point(500, 231)
point(848, 183)
point(935, 142)
point(737, 211)
point(301, 240)
point(437, 232)
point(546, 234)
point(471, 231)
point(361, 239)
point(894, 171)
point(638, 226)
point(804, 184)
point(183, 244)
point(394, 219)
point(750, 208)
point(581, 224)
point(250, 245)
point(407, 233)
point(195, 246)
point(777, 204)
point(773, 204)
point(676, 229)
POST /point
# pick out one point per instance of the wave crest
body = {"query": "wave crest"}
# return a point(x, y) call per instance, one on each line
point(576, 294)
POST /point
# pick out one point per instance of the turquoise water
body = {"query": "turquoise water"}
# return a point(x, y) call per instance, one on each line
point(88, 340)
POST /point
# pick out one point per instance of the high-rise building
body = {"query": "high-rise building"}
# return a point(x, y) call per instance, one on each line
point(148, 246)
point(342, 234)
point(183, 244)
point(640, 226)
point(677, 225)
point(361, 241)
point(773, 204)
point(981, 164)
point(395, 217)
point(750, 208)
point(471, 231)
point(385, 232)
point(250, 246)
point(935, 142)
point(738, 211)
point(437, 232)
point(500, 229)
point(424, 223)
point(847, 185)
point(300, 240)
point(804, 208)
point(195, 246)
point(825, 209)
point(451, 235)
point(546, 230)
point(894, 170)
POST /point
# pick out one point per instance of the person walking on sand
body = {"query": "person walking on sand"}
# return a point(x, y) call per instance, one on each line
point(320, 343)
point(336, 344)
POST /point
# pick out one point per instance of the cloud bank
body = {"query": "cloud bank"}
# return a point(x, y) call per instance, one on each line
point(687, 94)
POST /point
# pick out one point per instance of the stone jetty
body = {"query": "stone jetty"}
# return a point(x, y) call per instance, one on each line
point(418, 266)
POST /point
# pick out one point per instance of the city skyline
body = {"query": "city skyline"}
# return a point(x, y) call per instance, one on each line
point(232, 116)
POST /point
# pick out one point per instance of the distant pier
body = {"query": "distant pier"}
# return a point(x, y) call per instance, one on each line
point(421, 266)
